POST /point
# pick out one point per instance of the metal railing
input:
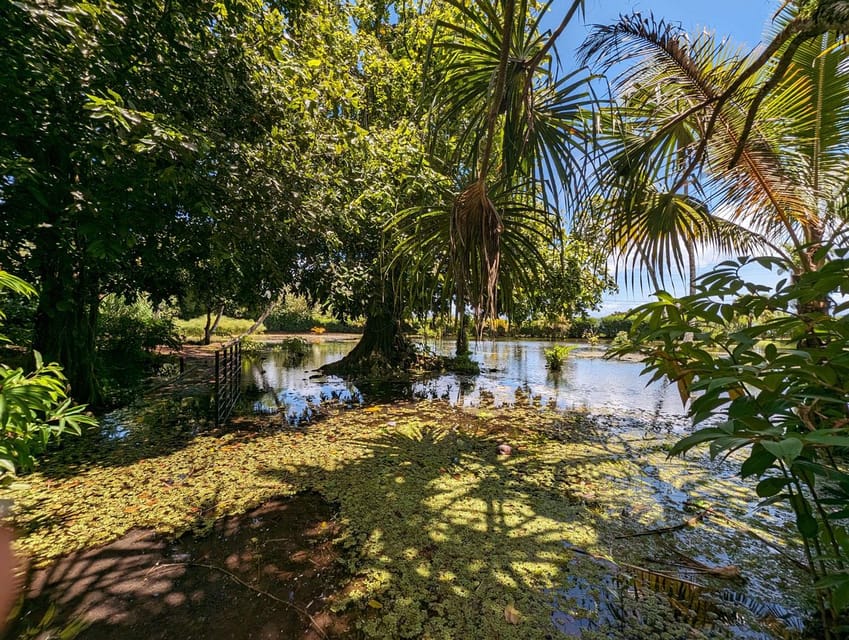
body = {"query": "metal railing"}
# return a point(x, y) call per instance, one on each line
point(228, 380)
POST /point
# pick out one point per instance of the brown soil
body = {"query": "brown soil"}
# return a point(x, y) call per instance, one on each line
point(269, 574)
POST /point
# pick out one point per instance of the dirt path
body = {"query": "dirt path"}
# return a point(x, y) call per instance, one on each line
point(269, 574)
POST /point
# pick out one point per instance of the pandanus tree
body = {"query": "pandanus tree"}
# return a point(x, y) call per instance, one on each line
point(766, 138)
point(507, 133)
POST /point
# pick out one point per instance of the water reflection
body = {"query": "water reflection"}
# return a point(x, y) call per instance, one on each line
point(297, 391)
point(512, 371)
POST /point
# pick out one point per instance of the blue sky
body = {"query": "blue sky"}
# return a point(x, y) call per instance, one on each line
point(743, 21)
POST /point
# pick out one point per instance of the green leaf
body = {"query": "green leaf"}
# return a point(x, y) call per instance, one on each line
point(699, 437)
point(757, 463)
point(770, 351)
point(826, 437)
point(771, 486)
point(787, 450)
point(807, 525)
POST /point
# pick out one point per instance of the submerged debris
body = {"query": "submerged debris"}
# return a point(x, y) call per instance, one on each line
point(504, 449)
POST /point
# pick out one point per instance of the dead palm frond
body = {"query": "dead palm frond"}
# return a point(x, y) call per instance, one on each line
point(508, 123)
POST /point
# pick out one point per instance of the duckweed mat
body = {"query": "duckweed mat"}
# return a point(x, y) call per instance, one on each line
point(440, 535)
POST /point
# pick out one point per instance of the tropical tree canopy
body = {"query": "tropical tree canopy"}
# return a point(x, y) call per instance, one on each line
point(685, 106)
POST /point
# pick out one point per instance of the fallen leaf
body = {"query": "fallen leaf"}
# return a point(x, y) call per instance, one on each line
point(374, 604)
point(512, 615)
point(371, 409)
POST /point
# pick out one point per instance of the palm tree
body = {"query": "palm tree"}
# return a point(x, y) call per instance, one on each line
point(656, 223)
point(781, 178)
point(513, 128)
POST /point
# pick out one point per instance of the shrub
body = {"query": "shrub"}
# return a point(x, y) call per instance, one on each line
point(128, 334)
point(609, 326)
point(499, 327)
point(34, 407)
point(227, 327)
point(785, 408)
point(578, 327)
point(621, 340)
point(296, 347)
point(297, 315)
point(250, 346)
point(463, 365)
point(130, 327)
point(557, 355)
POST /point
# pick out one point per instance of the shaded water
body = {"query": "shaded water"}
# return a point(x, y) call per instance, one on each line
point(512, 371)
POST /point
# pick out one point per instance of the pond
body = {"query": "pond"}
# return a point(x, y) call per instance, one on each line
point(512, 372)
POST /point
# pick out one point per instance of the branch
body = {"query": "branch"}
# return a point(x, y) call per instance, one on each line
point(535, 61)
point(498, 90)
point(777, 77)
point(238, 580)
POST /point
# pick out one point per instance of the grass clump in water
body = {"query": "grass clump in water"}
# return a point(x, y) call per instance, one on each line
point(557, 355)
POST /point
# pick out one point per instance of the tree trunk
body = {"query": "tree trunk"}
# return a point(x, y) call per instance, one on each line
point(210, 327)
point(383, 348)
point(263, 317)
point(462, 346)
point(691, 260)
point(65, 322)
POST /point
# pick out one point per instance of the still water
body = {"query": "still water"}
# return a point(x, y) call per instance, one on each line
point(512, 371)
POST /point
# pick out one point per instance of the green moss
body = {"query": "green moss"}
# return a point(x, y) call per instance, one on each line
point(462, 364)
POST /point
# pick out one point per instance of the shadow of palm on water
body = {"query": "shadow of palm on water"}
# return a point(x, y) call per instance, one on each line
point(451, 541)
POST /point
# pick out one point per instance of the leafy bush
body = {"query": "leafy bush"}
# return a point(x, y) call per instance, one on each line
point(592, 337)
point(580, 327)
point(297, 347)
point(34, 407)
point(19, 315)
point(127, 337)
point(227, 327)
point(499, 327)
point(251, 347)
point(294, 349)
point(620, 340)
point(462, 364)
point(135, 326)
point(609, 326)
point(785, 407)
point(557, 355)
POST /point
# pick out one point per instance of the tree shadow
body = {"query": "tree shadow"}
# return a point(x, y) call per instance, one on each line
point(446, 538)
point(162, 428)
point(453, 539)
point(270, 573)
